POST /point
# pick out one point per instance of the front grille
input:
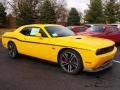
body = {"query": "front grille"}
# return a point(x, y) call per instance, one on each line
point(104, 50)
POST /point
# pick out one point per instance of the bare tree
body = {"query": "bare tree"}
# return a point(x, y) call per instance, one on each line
point(60, 9)
point(16, 5)
point(35, 5)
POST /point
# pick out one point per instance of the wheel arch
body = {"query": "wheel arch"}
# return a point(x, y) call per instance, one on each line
point(61, 50)
point(10, 41)
point(80, 65)
point(16, 54)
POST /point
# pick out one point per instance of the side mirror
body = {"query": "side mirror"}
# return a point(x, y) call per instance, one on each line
point(38, 35)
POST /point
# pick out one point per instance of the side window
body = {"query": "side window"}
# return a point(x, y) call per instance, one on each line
point(26, 31)
point(32, 31)
point(113, 29)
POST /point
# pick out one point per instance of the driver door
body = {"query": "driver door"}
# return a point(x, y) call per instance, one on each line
point(35, 46)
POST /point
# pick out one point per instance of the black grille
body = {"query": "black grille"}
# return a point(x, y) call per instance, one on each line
point(104, 50)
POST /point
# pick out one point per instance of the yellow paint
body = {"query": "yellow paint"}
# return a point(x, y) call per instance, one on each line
point(48, 48)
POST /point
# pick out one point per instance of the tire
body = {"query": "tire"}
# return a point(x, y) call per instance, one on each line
point(70, 61)
point(12, 50)
point(118, 43)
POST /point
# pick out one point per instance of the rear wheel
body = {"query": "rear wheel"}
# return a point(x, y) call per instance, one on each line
point(118, 43)
point(70, 61)
point(12, 50)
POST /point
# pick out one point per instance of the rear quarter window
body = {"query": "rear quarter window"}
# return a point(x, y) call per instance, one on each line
point(113, 29)
point(31, 31)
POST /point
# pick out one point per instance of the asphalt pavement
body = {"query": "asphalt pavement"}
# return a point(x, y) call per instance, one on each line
point(26, 73)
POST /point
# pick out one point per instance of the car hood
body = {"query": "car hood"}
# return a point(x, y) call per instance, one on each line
point(90, 33)
point(84, 42)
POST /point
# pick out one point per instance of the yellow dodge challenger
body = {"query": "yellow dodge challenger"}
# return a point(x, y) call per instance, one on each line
point(55, 43)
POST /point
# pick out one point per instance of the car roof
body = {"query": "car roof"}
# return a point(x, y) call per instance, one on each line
point(41, 25)
point(118, 25)
point(94, 24)
point(104, 25)
point(35, 25)
point(76, 26)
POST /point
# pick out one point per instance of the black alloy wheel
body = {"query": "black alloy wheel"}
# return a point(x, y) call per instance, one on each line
point(12, 50)
point(71, 62)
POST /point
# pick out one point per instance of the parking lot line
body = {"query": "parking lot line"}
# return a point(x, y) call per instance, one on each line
point(117, 61)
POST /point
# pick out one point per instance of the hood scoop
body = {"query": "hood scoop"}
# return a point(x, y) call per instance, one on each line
point(78, 38)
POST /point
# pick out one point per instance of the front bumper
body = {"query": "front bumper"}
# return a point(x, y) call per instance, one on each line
point(106, 65)
point(92, 62)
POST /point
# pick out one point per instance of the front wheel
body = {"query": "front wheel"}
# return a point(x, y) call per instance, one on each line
point(12, 50)
point(70, 61)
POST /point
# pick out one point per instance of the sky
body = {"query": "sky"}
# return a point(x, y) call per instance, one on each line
point(81, 5)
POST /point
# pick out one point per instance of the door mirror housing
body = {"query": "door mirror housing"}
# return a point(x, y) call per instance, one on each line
point(38, 35)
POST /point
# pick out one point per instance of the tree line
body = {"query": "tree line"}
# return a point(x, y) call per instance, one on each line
point(52, 11)
point(103, 11)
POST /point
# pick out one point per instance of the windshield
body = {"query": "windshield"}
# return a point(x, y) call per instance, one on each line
point(59, 31)
point(96, 29)
point(70, 28)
